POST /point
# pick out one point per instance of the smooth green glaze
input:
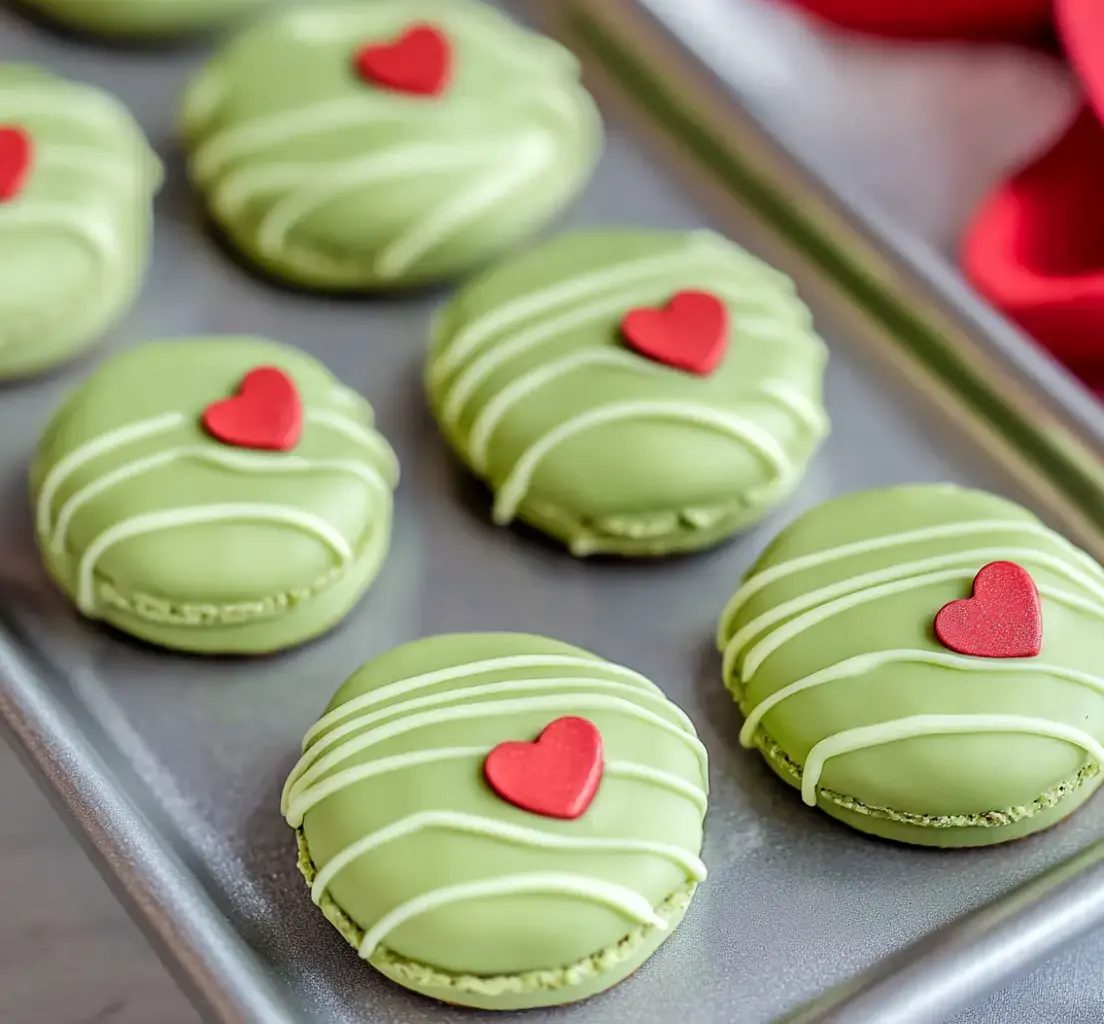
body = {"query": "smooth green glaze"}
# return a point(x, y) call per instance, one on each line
point(125, 19)
point(496, 951)
point(76, 237)
point(960, 788)
point(330, 182)
point(535, 345)
point(240, 583)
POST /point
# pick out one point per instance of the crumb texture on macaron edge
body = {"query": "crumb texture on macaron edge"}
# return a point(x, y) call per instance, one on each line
point(995, 818)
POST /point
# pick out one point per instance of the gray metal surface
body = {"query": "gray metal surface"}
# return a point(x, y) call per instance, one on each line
point(172, 766)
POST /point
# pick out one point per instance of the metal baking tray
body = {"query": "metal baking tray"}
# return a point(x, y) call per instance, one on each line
point(170, 767)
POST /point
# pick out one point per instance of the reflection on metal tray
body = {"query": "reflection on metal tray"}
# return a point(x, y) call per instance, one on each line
point(172, 766)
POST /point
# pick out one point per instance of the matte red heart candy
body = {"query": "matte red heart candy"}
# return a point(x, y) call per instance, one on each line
point(690, 333)
point(15, 161)
point(266, 413)
point(557, 776)
point(1002, 620)
point(418, 62)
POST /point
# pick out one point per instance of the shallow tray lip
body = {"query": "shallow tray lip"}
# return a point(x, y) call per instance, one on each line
point(179, 919)
point(182, 919)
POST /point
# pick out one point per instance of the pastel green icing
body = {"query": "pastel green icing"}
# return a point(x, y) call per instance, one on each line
point(395, 744)
point(605, 449)
point(76, 237)
point(143, 18)
point(328, 181)
point(840, 610)
point(150, 524)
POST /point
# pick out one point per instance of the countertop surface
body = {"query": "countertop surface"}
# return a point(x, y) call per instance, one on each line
point(69, 954)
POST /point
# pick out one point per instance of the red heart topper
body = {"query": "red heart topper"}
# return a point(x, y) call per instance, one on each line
point(690, 333)
point(15, 161)
point(266, 413)
point(557, 776)
point(418, 62)
point(1002, 620)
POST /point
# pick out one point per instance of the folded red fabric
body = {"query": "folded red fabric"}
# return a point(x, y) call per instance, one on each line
point(1036, 249)
point(1081, 26)
point(938, 19)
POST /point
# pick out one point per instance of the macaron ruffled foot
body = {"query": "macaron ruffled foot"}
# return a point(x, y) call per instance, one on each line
point(631, 392)
point(217, 495)
point(499, 820)
point(923, 663)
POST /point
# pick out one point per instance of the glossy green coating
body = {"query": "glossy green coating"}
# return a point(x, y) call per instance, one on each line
point(862, 577)
point(331, 182)
point(133, 19)
point(155, 527)
point(496, 949)
point(603, 448)
point(74, 241)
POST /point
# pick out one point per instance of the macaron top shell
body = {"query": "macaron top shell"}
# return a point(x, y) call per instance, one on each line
point(139, 507)
point(330, 162)
point(77, 177)
point(832, 650)
point(435, 866)
point(624, 437)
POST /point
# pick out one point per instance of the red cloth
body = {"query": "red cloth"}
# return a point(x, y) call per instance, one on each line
point(1036, 249)
point(938, 19)
point(1081, 26)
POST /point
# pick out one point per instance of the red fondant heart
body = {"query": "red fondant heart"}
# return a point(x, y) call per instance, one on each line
point(419, 62)
point(15, 161)
point(557, 776)
point(266, 413)
point(1002, 620)
point(689, 333)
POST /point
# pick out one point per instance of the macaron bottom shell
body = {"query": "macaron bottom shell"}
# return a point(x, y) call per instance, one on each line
point(531, 990)
point(298, 624)
point(939, 832)
point(637, 536)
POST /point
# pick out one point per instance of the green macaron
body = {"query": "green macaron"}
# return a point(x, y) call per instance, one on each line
point(923, 663)
point(218, 495)
point(499, 820)
point(631, 392)
point(77, 179)
point(143, 19)
point(383, 143)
